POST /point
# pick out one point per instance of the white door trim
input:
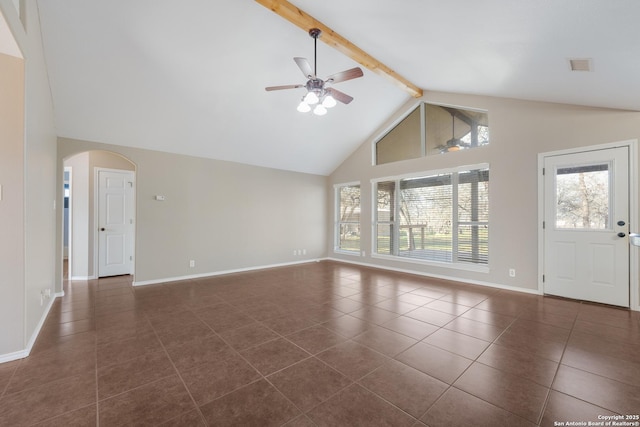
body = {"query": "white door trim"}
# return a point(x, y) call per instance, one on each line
point(69, 223)
point(96, 207)
point(634, 220)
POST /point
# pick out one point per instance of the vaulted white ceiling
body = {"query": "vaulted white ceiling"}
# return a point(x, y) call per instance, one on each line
point(188, 76)
point(8, 45)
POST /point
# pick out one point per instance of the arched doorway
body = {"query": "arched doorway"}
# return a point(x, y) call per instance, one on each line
point(95, 182)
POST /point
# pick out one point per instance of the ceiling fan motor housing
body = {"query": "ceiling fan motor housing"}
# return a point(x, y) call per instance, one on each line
point(315, 85)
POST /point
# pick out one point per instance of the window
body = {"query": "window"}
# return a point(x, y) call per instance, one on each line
point(441, 217)
point(403, 142)
point(348, 218)
point(583, 197)
point(433, 129)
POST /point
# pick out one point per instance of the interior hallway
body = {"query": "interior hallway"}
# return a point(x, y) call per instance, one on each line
point(325, 344)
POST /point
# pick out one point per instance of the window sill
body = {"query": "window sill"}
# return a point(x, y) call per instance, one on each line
point(453, 266)
point(343, 252)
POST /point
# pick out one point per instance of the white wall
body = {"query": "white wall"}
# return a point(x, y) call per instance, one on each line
point(226, 216)
point(79, 220)
point(519, 131)
point(12, 204)
point(38, 162)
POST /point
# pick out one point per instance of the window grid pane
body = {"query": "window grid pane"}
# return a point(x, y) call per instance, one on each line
point(385, 217)
point(348, 230)
point(425, 218)
point(473, 243)
point(384, 240)
point(583, 197)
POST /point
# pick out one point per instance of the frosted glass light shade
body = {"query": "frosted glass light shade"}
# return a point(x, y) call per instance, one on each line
point(311, 98)
point(319, 110)
point(303, 107)
point(328, 102)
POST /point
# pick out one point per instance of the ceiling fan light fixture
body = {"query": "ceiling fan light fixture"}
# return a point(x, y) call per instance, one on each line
point(317, 94)
point(303, 107)
point(454, 146)
point(319, 110)
point(311, 98)
point(329, 102)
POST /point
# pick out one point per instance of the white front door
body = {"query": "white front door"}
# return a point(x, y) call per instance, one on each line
point(115, 223)
point(586, 217)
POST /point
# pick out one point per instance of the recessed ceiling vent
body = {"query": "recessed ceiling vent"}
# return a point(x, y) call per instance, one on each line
point(580, 64)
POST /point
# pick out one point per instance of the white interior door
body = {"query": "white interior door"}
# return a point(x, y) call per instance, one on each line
point(115, 223)
point(586, 246)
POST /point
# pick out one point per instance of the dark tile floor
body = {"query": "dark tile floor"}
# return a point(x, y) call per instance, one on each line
point(324, 344)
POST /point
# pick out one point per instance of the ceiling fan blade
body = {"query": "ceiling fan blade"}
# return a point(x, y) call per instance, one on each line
point(270, 88)
point(342, 76)
point(304, 65)
point(339, 96)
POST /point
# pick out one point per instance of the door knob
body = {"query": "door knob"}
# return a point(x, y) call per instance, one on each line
point(102, 229)
point(620, 223)
point(621, 234)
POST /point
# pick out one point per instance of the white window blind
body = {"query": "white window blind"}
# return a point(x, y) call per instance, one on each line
point(442, 217)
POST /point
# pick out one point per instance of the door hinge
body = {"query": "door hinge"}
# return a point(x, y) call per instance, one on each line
point(130, 257)
point(544, 225)
point(543, 171)
point(543, 278)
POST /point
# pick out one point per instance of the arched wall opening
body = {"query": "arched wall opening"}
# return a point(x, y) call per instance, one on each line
point(80, 208)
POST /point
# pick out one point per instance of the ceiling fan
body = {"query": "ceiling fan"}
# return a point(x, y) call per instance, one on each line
point(319, 92)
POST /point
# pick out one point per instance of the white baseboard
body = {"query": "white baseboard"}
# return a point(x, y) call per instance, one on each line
point(83, 278)
point(21, 354)
point(10, 357)
point(364, 264)
point(219, 273)
point(442, 276)
point(36, 332)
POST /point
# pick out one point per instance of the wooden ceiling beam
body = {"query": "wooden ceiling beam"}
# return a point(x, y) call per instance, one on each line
point(305, 21)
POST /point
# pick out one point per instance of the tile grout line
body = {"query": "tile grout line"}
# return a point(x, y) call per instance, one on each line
point(262, 376)
point(95, 325)
point(450, 386)
point(553, 380)
point(314, 356)
point(176, 373)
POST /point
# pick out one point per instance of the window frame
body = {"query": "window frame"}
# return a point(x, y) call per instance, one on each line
point(338, 222)
point(422, 106)
point(455, 263)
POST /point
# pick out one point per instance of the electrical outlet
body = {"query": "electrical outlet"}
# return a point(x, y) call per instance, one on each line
point(192, 263)
point(512, 272)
